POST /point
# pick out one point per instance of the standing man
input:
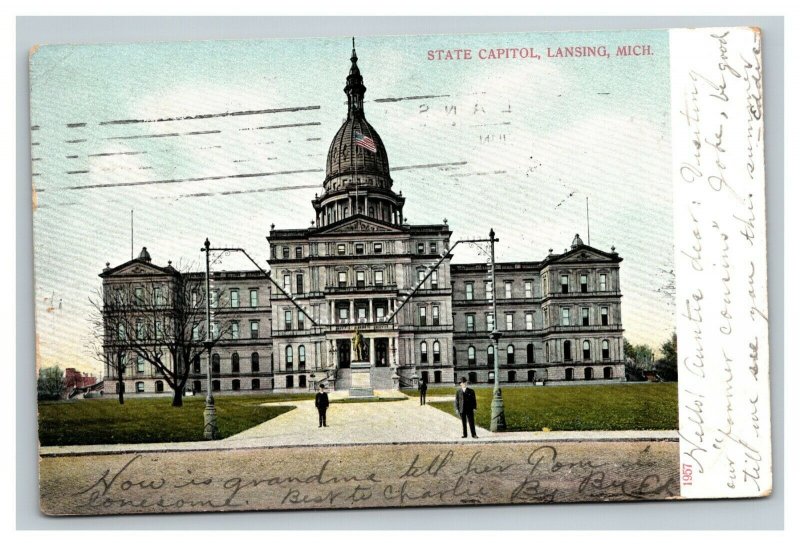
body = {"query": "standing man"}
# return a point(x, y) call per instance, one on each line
point(423, 389)
point(466, 404)
point(321, 403)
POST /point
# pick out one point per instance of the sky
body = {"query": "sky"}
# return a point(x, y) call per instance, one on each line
point(222, 139)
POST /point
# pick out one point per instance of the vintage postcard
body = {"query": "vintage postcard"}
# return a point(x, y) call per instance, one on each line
point(389, 271)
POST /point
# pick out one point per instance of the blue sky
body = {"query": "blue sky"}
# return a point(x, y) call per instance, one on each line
point(517, 145)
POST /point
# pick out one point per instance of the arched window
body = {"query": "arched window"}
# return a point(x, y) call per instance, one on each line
point(587, 373)
point(215, 385)
point(301, 357)
point(301, 382)
point(605, 350)
point(255, 384)
point(159, 386)
point(436, 355)
point(423, 352)
point(569, 374)
point(235, 363)
point(236, 385)
point(490, 355)
point(473, 377)
point(529, 353)
point(512, 376)
point(607, 372)
point(567, 351)
point(196, 364)
point(289, 381)
point(586, 352)
point(289, 357)
point(510, 354)
point(471, 355)
point(254, 362)
point(215, 363)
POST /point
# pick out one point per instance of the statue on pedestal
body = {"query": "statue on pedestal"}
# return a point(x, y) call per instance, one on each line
point(359, 348)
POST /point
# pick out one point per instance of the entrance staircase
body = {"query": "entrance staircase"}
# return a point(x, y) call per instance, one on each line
point(382, 378)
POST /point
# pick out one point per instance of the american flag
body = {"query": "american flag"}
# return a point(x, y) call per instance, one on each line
point(365, 142)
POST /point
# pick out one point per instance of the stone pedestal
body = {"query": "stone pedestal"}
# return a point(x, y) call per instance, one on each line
point(360, 379)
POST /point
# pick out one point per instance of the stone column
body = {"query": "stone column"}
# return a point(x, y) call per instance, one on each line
point(369, 314)
point(352, 311)
point(372, 352)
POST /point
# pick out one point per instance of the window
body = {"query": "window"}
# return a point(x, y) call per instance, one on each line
point(569, 374)
point(235, 385)
point(360, 279)
point(342, 279)
point(510, 354)
point(234, 330)
point(343, 313)
point(254, 362)
point(215, 385)
point(509, 321)
point(139, 329)
point(289, 381)
point(298, 284)
point(565, 316)
point(433, 247)
point(584, 284)
point(361, 313)
point(253, 329)
point(420, 248)
point(235, 363)
point(607, 372)
point(298, 252)
point(234, 297)
point(160, 329)
point(603, 282)
point(437, 376)
point(139, 364)
point(341, 249)
point(138, 294)
point(588, 373)
point(435, 315)
point(302, 379)
point(436, 355)
point(215, 363)
point(301, 321)
point(528, 289)
point(197, 386)
point(487, 286)
point(512, 376)
point(470, 323)
point(564, 284)
point(301, 357)
point(490, 355)
point(380, 312)
point(214, 299)
point(420, 275)
point(377, 248)
point(287, 283)
point(422, 316)
point(604, 316)
point(285, 253)
point(255, 384)
point(606, 355)
point(140, 386)
point(471, 355)
point(158, 295)
point(159, 386)
point(529, 321)
point(379, 278)
point(490, 322)
point(434, 279)
point(196, 364)
point(214, 329)
point(253, 297)
point(585, 316)
point(586, 352)
point(120, 331)
point(469, 290)
point(529, 353)
point(287, 320)
point(359, 248)
point(567, 351)
point(508, 290)
point(423, 352)
point(195, 299)
point(289, 357)
point(196, 332)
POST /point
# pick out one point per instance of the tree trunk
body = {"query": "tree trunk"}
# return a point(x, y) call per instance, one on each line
point(121, 390)
point(177, 398)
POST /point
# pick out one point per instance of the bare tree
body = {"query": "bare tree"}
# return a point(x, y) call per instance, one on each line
point(162, 322)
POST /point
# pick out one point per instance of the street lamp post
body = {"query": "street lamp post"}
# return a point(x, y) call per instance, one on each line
point(210, 430)
point(498, 408)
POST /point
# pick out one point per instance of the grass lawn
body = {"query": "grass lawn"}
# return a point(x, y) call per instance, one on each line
point(625, 406)
point(143, 420)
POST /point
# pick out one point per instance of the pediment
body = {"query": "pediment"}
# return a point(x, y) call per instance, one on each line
point(585, 254)
point(135, 268)
point(359, 225)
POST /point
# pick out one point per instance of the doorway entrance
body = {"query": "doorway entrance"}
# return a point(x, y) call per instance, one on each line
point(343, 352)
point(381, 353)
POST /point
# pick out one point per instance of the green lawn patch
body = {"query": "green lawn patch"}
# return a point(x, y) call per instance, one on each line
point(146, 420)
point(625, 406)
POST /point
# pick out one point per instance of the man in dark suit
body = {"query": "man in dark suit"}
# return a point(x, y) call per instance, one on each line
point(423, 391)
point(321, 403)
point(466, 404)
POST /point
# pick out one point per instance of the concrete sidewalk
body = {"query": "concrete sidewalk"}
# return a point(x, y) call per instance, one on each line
point(387, 422)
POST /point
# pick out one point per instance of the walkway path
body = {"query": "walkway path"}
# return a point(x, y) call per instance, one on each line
point(386, 422)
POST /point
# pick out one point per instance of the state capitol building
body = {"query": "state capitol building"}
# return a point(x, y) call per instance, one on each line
point(359, 266)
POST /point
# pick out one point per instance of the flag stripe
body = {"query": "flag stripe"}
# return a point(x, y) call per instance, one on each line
point(365, 142)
